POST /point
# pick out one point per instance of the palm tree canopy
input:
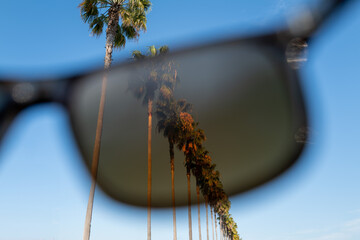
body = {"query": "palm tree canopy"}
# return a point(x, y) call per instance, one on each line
point(155, 76)
point(168, 113)
point(131, 12)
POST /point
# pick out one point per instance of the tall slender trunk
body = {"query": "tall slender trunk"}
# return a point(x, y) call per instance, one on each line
point(111, 32)
point(110, 38)
point(149, 171)
point(172, 156)
point(189, 200)
point(215, 225)
point(212, 223)
point(198, 203)
point(207, 218)
point(221, 229)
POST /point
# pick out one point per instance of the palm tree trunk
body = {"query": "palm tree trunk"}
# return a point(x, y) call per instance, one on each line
point(111, 32)
point(207, 218)
point(198, 202)
point(189, 201)
point(87, 227)
point(149, 171)
point(221, 229)
point(171, 150)
point(215, 225)
point(212, 223)
point(110, 37)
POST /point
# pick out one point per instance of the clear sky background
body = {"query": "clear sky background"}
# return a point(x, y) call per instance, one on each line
point(44, 189)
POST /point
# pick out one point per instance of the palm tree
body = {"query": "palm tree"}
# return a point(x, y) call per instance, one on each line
point(133, 19)
point(212, 222)
point(201, 172)
point(207, 178)
point(221, 228)
point(215, 223)
point(181, 130)
point(201, 163)
point(186, 128)
point(207, 218)
point(109, 12)
point(198, 204)
point(168, 111)
point(145, 89)
point(190, 142)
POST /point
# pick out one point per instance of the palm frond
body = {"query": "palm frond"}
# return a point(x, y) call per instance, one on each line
point(139, 20)
point(88, 10)
point(129, 31)
point(146, 4)
point(134, 15)
point(143, 5)
point(152, 51)
point(184, 106)
point(164, 49)
point(104, 3)
point(136, 87)
point(97, 25)
point(125, 14)
point(120, 39)
point(137, 55)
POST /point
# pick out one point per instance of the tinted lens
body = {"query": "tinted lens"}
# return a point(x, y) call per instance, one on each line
point(240, 96)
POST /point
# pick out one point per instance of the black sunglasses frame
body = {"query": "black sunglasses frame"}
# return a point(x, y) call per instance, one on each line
point(61, 90)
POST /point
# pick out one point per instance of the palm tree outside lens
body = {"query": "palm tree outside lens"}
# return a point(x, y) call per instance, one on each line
point(234, 94)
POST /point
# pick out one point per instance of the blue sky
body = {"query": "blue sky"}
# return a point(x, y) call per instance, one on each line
point(44, 189)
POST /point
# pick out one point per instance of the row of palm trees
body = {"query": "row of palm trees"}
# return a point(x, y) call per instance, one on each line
point(144, 88)
point(179, 127)
point(182, 132)
point(124, 19)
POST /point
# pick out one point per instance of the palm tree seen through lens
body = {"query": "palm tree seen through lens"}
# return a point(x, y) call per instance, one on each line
point(100, 13)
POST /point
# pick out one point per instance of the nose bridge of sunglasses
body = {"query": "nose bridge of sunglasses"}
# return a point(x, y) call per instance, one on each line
point(23, 93)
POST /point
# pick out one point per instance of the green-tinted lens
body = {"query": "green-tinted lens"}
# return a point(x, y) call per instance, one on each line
point(239, 96)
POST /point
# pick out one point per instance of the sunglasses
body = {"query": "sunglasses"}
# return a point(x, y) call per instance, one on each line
point(243, 96)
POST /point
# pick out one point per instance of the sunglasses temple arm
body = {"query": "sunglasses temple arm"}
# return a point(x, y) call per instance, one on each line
point(315, 18)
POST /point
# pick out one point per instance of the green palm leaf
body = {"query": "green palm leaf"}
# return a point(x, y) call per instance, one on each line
point(120, 38)
point(88, 10)
point(97, 25)
point(129, 31)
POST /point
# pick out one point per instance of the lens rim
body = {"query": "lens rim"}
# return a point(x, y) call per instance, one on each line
point(277, 43)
